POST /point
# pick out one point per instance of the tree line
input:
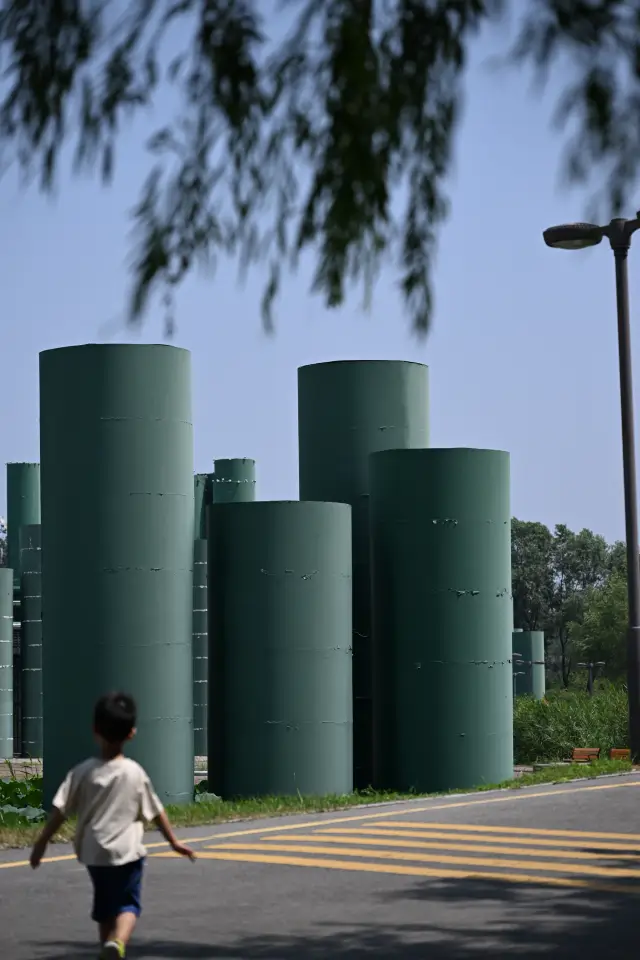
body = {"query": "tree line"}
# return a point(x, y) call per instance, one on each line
point(574, 587)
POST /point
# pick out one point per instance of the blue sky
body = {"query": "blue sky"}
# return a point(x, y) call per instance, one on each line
point(522, 355)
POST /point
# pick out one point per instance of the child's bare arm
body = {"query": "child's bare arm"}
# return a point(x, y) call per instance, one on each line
point(51, 827)
point(163, 825)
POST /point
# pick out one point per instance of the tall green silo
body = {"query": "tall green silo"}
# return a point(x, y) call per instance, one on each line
point(202, 498)
point(6, 663)
point(116, 443)
point(528, 663)
point(280, 708)
point(23, 508)
point(348, 410)
point(31, 648)
point(443, 618)
point(234, 481)
point(200, 648)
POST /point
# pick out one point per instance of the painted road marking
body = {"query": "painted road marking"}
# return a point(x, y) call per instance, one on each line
point(503, 797)
point(408, 871)
point(506, 861)
point(535, 860)
point(353, 836)
point(533, 831)
point(631, 848)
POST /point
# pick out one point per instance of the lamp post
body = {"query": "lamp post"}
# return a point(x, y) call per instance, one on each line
point(516, 674)
point(591, 668)
point(519, 662)
point(577, 236)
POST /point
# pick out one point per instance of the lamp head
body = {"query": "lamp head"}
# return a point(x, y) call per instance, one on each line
point(573, 236)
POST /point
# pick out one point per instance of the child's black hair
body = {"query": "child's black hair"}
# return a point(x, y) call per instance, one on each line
point(114, 717)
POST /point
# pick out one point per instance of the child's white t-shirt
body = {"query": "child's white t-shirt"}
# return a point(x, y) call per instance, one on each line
point(112, 800)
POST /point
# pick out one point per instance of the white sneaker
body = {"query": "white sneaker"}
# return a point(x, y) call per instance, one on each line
point(112, 950)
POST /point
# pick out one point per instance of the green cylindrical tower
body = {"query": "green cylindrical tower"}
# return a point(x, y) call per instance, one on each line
point(280, 710)
point(348, 410)
point(200, 648)
point(234, 481)
point(6, 663)
point(443, 618)
point(23, 508)
point(528, 663)
point(116, 443)
point(202, 498)
point(31, 640)
point(203, 487)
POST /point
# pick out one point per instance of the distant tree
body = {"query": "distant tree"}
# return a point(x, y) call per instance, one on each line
point(579, 564)
point(532, 574)
point(617, 559)
point(602, 633)
point(3, 543)
point(312, 142)
point(554, 576)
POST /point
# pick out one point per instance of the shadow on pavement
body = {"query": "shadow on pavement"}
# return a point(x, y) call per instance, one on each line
point(482, 918)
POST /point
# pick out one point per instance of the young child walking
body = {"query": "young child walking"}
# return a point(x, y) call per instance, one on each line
point(112, 797)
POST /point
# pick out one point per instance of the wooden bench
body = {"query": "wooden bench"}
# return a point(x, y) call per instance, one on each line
point(619, 754)
point(585, 754)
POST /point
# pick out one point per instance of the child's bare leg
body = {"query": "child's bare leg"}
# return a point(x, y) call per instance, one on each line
point(118, 928)
point(124, 926)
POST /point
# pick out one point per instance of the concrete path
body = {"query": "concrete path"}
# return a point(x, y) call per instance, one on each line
point(551, 871)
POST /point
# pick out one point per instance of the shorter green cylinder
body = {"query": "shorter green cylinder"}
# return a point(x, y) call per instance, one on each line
point(31, 640)
point(23, 508)
point(6, 663)
point(443, 618)
point(202, 486)
point(528, 663)
point(200, 648)
point(280, 715)
point(234, 481)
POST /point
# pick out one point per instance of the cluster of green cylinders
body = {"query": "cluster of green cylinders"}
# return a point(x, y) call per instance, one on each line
point(280, 709)
point(31, 640)
point(442, 618)
point(116, 445)
point(347, 411)
point(6, 663)
point(529, 677)
point(360, 635)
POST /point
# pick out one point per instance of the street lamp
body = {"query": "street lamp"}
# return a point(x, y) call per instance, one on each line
point(577, 236)
point(591, 668)
point(522, 673)
point(516, 674)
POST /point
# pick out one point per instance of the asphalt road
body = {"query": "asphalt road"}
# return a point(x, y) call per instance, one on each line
point(551, 871)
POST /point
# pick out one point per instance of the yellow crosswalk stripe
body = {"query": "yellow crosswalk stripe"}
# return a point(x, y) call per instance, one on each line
point(600, 845)
point(533, 831)
point(411, 871)
point(541, 865)
point(336, 836)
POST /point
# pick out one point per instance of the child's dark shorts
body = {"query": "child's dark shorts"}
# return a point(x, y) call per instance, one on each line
point(116, 890)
